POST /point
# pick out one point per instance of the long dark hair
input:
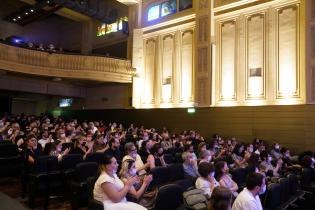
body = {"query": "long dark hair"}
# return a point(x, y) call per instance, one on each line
point(218, 169)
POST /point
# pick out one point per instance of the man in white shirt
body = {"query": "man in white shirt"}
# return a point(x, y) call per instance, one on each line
point(248, 199)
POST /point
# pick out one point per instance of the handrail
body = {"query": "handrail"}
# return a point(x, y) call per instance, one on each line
point(62, 65)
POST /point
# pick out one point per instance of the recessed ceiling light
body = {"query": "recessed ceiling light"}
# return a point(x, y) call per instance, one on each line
point(32, 10)
point(19, 17)
point(26, 13)
point(14, 19)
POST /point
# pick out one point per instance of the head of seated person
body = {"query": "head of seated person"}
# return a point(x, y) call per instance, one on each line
point(206, 156)
point(190, 165)
point(221, 199)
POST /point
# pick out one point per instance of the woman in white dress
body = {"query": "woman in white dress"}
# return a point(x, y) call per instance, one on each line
point(111, 191)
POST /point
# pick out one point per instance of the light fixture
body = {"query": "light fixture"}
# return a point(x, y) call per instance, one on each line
point(26, 13)
point(19, 17)
point(14, 19)
point(32, 10)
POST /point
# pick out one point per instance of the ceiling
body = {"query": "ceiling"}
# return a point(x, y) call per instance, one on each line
point(24, 12)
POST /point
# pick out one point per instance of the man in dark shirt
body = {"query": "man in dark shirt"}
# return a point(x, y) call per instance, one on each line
point(113, 149)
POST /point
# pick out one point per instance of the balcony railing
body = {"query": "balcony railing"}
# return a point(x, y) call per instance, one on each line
point(43, 63)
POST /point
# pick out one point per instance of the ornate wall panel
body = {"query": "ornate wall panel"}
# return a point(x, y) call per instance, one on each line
point(149, 66)
point(255, 56)
point(203, 33)
point(227, 63)
point(167, 67)
point(203, 59)
point(202, 85)
point(287, 51)
point(187, 66)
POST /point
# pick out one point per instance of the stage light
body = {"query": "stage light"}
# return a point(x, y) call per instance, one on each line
point(19, 17)
point(26, 13)
point(14, 19)
point(32, 10)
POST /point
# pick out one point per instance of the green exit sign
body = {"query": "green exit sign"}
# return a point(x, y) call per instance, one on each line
point(191, 110)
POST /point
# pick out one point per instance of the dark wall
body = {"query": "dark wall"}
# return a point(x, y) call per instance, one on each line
point(292, 126)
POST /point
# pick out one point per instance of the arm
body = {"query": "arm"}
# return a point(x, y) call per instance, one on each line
point(141, 191)
point(113, 194)
point(163, 161)
point(151, 161)
point(234, 187)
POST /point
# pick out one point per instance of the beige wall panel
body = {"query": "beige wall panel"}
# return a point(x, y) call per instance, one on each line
point(167, 68)
point(149, 66)
point(313, 9)
point(187, 66)
point(228, 60)
point(288, 70)
point(255, 54)
point(313, 41)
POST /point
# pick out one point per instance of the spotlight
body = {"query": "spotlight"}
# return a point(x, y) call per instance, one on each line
point(19, 17)
point(14, 19)
point(26, 13)
point(32, 10)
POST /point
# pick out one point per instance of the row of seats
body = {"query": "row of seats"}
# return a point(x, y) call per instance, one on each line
point(10, 159)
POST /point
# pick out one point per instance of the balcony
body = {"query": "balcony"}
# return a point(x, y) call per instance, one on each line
point(27, 61)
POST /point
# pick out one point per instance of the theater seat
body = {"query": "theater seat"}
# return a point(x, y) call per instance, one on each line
point(160, 176)
point(78, 187)
point(92, 203)
point(95, 157)
point(169, 197)
point(10, 160)
point(273, 197)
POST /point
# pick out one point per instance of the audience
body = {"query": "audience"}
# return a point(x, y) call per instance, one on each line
point(249, 197)
point(156, 158)
point(111, 191)
point(222, 175)
point(59, 137)
point(131, 154)
point(206, 181)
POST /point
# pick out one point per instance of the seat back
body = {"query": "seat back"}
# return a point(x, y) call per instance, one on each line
point(70, 161)
point(306, 177)
point(294, 183)
point(8, 150)
point(239, 176)
point(176, 171)
point(160, 176)
point(40, 164)
point(95, 157)
point(285, 189)
point(169, 158)
point(273, 196)
point(85, 170)
point(169, 197)
point(178, 158)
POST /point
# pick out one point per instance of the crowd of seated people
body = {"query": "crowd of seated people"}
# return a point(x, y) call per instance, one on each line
point(137, 150)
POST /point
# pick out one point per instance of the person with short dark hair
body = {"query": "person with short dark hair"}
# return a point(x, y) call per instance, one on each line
point(221, 199)
point(206, 181)
point(113, 149)
point(249, 197)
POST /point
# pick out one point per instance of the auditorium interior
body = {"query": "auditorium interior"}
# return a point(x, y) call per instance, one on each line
point(183, 85)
